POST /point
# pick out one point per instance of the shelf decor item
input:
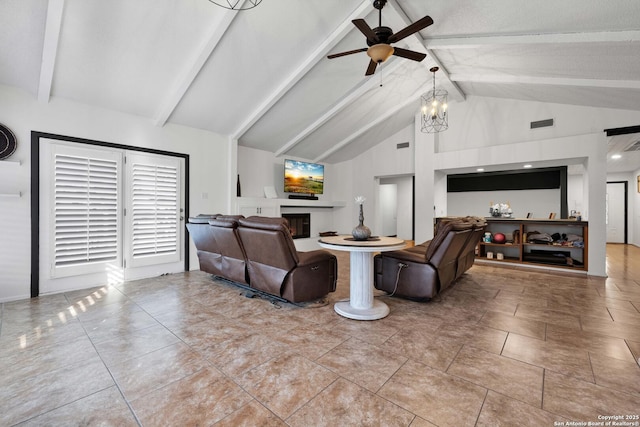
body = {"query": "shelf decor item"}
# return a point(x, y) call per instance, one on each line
point(361, 231)
point(499, 238)
point(500, 210)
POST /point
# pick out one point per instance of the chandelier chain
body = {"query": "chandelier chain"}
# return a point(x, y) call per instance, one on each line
point(237, 4)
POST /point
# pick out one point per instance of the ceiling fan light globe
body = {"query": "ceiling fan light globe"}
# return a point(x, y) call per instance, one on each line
point(380, 52)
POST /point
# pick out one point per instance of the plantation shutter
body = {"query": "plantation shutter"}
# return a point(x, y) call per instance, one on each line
point(86, 211)
point(154, 209)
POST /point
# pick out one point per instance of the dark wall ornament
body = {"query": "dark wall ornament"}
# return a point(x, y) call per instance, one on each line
point(7, 142)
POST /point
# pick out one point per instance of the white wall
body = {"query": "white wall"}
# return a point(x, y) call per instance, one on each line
point(575, 193)
point(482, 121)
point(540, 203)
point(209, 172)
point(359, 178)
point(258, 168)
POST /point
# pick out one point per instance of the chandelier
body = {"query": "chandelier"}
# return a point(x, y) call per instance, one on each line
point(237, 4)
point(434, 108)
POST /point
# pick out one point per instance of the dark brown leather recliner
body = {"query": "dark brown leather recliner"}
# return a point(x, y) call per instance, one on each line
point(220, 250)
point(468, 254)
point(276, 267)
point(423, 271)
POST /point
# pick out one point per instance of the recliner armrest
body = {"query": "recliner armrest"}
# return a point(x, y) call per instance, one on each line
point(405, 255)
point(319, 255)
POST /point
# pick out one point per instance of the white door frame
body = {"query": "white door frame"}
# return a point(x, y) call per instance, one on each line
point(626, 207)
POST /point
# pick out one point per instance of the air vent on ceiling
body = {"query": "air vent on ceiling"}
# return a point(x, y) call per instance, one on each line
point(542, 124)
point(634, 147)
point(402, 145)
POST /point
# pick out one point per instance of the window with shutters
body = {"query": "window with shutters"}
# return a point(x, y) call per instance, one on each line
point(115, 215)
point(86, 224)
point(153, 209)
point(154, 203)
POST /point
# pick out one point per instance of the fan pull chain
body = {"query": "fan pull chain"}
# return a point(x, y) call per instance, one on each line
point(381, 68)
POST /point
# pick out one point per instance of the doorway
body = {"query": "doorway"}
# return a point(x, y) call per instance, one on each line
point(389, 209)
point(396, 206)
point(616, 211)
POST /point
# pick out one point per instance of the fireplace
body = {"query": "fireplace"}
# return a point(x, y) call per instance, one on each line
point(299, 224)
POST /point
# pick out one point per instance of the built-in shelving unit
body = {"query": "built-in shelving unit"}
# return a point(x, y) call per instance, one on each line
point(568, 256)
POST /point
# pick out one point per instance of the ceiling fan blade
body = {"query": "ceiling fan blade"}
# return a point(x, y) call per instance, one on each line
point(337, 55)
point(371, 68)
point(365, 29)
point(410, 29)
point(409, 54)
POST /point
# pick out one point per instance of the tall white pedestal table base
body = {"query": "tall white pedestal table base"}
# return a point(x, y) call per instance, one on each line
point(361, 304)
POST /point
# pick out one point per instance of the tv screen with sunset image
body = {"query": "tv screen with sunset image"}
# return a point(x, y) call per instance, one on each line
point(303, 177)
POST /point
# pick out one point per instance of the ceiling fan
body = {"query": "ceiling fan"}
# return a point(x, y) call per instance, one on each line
point(380, 38)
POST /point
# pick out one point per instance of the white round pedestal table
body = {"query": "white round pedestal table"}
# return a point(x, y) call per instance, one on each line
point(361, 304)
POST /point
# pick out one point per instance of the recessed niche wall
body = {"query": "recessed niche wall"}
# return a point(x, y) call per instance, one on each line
point(536, 191)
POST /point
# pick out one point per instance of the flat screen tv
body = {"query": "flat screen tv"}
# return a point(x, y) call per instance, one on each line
point(303, 177)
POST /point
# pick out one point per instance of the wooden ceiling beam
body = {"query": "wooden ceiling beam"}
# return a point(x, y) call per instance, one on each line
point(529, 39)
point(52, 30)
point(416, 42)
point(193, 67)
point(309, 62)
point(392, 110)
point(548, 81)
point(347, 100)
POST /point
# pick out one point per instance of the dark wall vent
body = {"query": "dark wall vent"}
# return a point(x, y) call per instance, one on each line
point(542, 124)
point(402, 145)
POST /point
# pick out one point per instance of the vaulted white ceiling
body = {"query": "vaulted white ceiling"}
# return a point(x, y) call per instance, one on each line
point(262, 77)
